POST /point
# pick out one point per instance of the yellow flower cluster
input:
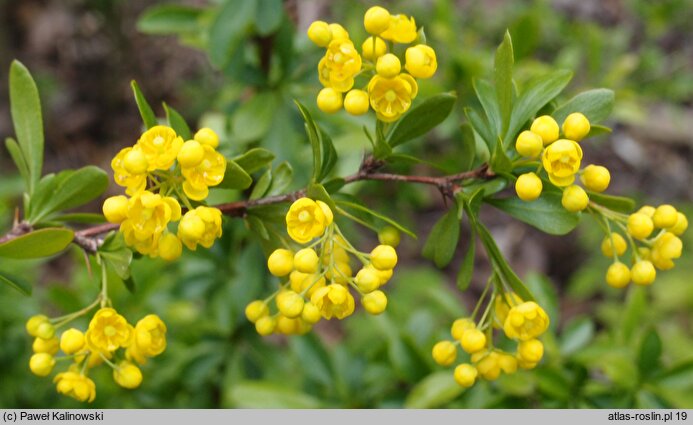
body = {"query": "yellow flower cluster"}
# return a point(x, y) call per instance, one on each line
point(317, 278)
point(649, 253)
point(387, 88)
point(561, 159)
point(108, 332)
point(158, 172)
point(521, 321)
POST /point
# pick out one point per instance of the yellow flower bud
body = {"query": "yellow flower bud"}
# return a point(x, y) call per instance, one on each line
point(665, 216)
point(420, 61)
point(384, 275)
point(170, 247)
point(648, 210)
point(507, 363)
point(280, 262)
point(668, 246)
point(373, 48)
point(338, 32)
point(465, 375)
point(546, 127)
point(72, 341)
point(256, 310)
point(374, 302)
point(45, 330)
point(489, 366)
point(444, 353)
point(329, 100)
point(596, 178)
point(367, 280)
point(191, 154)
point(135, 162)
point(310, 314)
point(388, 65)
point(528, 187)
point(207, 136)
point(473, 340)
point(617, 241)
point(618, 275)
point(290, 304)
point(191, 227)
point(460, 326)
point(319, 33)
point(127, 375)
point(265, 325)
point(33, 324)
point(340, 272)
point(402, 29)
point(41, 364)
point(681, 224)
point(574, 198)
point(640, 226)
point(376, 20)
point(115, 209)
point(384, 257)
point(356, 102)
point(49, 346)
point(576, 126)
point(643, 273)
point(389, 235)
point(530, 351)
point(306, 260)
point(529, 144)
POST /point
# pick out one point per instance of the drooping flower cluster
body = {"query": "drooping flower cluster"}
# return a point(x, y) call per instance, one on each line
point(317, 280)
point(159, 172)
point(107, 334)
point(377, 73)
point(520, 321)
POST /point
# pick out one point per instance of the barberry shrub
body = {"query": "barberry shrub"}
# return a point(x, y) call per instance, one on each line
point(182, 188)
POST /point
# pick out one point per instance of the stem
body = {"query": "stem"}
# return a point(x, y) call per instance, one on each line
point(62, 320)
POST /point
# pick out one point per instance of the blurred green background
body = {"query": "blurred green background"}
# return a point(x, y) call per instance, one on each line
point(236, 66)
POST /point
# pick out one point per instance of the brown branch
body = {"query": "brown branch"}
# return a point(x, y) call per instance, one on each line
point(88, 239)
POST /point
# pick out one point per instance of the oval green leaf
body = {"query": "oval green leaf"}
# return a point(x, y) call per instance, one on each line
point(37, 244)
point(546, 213)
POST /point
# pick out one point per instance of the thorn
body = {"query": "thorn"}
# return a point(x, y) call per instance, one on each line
point(16, 217)
point(86, 260)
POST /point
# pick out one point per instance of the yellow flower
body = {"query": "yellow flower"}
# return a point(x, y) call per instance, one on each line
point(208, 172)
point(150, 336)
point(75, 385)
point(200, 226)
point(333, 300)
point(402, 29)
point(420, 61)
point(391, 97)
point(561, 161)
point(147, 217)
point(49, 346)
point(502, 305)
point(127, 375)
point(132, 182)
point(160, 146)
point(526, 321)
point(108, 331)
point(305, 220)
point(340, 65)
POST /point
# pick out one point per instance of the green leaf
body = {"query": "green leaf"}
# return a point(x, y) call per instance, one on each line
point(500, 163)
point(116, 255)
point(317, 192)
point(435, 390)
point(421, 119)
point(256, 225)
point(464, 277)
point(25, 108)
point(616, 203)
point(467, 151)
point(262, 185)
point(598, 130)
point(501, 265)
point(18, 159)
point(254, 160)
point(333, 185)
point(481, 127)
point(442, 241)
point(503, 78)
point(631, 317)
point(253, 119)
point(281, 179)
point(235, 177)
point(169, 19)
point(381, 149)
point(650, 353)
point(313, 138)
point(146, 112)
point(177, 122)
point(576, 335)
point(89, 218)
point(595, 104)
point(329, 155)
point(538, 93)
point(71, 189)
point(546, 213)
point(37, 244)
point(679, 377)
point(267, 394)
point(15, 282)
point(487, 97)
point(229, 28)
point(376, 215)
point(268, 16)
